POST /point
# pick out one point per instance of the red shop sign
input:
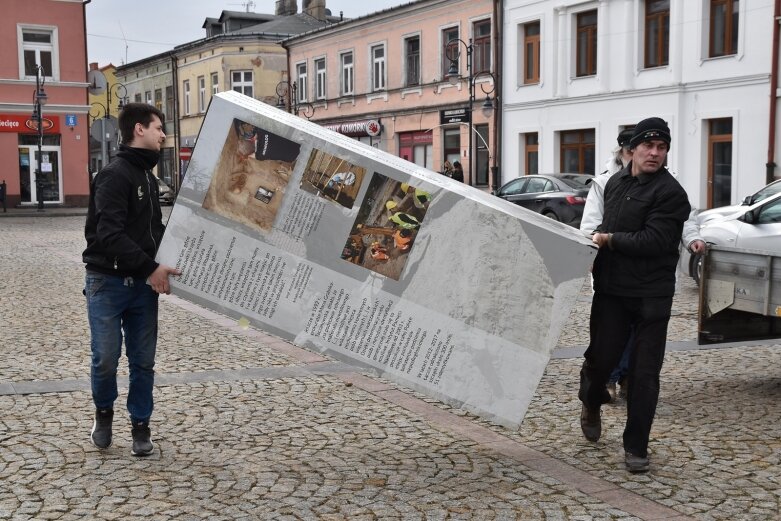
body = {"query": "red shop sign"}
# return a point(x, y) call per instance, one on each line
point(26, 125)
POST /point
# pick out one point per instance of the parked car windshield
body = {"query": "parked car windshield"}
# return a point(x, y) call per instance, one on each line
point(771, 189)
point(578, 182)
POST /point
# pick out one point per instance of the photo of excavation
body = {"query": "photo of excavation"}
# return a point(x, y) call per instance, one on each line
point(251, 176)
point(384, 232)
point(332, 178)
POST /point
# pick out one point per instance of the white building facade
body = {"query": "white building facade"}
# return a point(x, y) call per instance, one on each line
point(578, 72)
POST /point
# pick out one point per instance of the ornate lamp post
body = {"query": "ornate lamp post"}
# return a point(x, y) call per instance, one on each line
point(287, 99)
point(117, 90)
point(453, 53)
point(39, 100)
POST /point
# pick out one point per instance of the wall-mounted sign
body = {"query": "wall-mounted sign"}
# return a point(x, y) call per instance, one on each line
point(460, 115)
point(370, 127)
point(70, 120)
point(23, 124)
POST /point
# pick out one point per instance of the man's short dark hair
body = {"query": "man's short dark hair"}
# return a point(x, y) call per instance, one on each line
point(133, 113)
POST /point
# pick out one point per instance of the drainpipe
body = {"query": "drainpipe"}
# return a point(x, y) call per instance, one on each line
point(86, 91)
point(177, 136)
point(771, 139)
point(496, 176)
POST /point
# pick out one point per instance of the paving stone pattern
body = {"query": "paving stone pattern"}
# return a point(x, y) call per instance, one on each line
point(250, 427)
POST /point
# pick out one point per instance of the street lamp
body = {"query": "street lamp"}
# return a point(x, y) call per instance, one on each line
point(39, 100)
point(101, 113)
point(288, 90)
point(453, 53)
point(117, 90)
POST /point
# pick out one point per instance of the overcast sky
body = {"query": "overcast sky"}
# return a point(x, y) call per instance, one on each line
point(123, 31)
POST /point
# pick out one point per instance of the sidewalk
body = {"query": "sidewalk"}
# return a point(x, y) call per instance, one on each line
point(49, 211)
point(248, 426)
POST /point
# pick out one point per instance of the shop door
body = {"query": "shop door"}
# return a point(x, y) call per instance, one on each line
point(50, 174)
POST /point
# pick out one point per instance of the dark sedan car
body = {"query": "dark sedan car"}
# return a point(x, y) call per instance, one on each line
point(558, 196)
point(166, 193)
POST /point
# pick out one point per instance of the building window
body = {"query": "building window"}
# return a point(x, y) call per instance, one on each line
point(242, 81)
point(531, 53)
point(215, 83)
point(348, 80)
point(137, 97)
point(449, 48)
point(719, 162)
point(159, 99)
point(586, 43)
point(723, 27)
point(301, 82)
point(378, 67)
point(412, 60)
point(38, 47)
point(148, 97)
point(320, 79)
point(577, 151)
point(481, 46)
point(186, 89)
point(532, 160)
point(169, 103)
point(657, 32)
point(417, 147)
point(201, 94)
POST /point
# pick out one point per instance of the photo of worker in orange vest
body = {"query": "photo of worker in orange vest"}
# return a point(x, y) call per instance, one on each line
point(388, 221)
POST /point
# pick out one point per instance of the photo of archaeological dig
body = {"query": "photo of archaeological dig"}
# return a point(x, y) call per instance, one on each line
point(332, 178)
point(387, 224)
point(252, 175)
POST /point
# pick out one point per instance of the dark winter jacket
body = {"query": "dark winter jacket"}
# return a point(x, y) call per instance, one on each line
point(124, 223)
point(645, 215)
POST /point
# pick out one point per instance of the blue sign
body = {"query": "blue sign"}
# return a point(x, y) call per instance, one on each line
point(70, 120)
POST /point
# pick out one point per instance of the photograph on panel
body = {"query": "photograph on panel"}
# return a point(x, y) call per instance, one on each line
point(332, 178)
point(251, 176)
point(388, 221)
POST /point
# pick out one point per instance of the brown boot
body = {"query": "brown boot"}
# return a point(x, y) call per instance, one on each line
point(590, 423)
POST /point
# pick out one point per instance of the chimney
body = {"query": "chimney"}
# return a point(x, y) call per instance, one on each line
point(314, 8)
point(286, 7)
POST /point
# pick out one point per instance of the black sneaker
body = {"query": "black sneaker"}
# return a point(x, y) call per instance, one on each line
point(636, 464)
point(101, 429)
point(142, 439)
point(590, 423)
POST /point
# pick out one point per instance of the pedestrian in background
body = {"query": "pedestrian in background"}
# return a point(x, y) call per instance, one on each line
point(447, 169)
point(123, 231)
point(634, 283)
point(458, 172)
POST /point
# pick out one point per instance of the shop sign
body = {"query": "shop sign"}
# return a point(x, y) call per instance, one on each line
point(371, 128)
point(185, 153)
point(415, 138)
point(460, 115)
point(26, 125)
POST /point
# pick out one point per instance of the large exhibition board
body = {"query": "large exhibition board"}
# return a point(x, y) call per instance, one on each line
point(352, 252)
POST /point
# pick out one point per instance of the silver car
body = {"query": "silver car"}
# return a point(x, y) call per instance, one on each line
point(753, 227)
point(722, 211)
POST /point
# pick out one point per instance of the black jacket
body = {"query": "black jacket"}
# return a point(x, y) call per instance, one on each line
point(645, 215)
point(124, 223)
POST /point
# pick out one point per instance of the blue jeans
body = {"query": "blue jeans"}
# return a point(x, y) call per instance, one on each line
point(117, 305)
point(622, 369)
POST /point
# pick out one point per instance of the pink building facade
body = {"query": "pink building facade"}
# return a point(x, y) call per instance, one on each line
point(392, 80)
point(50, 34)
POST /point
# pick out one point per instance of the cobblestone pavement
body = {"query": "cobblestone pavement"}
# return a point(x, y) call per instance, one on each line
point(251, 427)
